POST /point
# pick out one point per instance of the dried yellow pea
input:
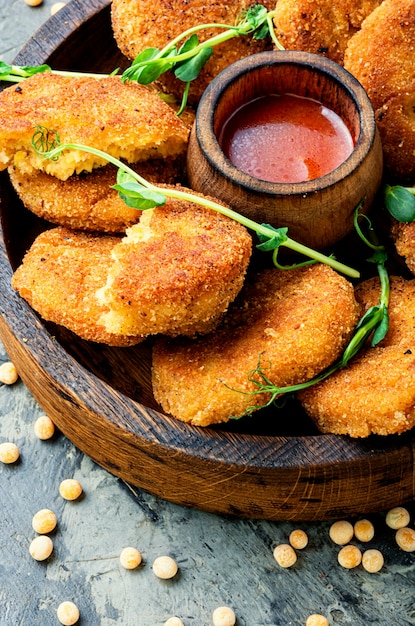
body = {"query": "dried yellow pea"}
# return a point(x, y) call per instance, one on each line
point(44, 521)
point(70, 489)
point(398, 517)
point(341, 532)
point(317, 620)
point(173, 621)
point(405, 538)
point(298, 539)
point(364, 530)
point(285, 555)
point(41, 548)
point(223, 616)
point(57, 6)
point(8, 373)
point(44, 427)
point(372, 560)
point(34, 3)
point(68, 613)
point(130, 558)
point(9, 452)
point(349, 557)
point(165, 567)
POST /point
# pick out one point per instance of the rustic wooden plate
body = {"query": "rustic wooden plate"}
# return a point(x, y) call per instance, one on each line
point(271, 466)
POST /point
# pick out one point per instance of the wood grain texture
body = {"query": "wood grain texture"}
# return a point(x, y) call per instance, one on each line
point(274, 466)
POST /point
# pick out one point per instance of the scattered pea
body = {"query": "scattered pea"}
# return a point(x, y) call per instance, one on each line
point(41, 548)
point(44, 427)
point(68, 613)
point(285, 555)
point(364, 530)
point(130, 558)
point(70, 489)
point(341, 532)
point(44, 521)
point(9, 452)
point(173, 621)
point(398, 517)
point(372, 560)
point(349, 557)
point(317, 620)
point(8, 373)
point(165, 567)
point(223, 616)
point(33, 3)
point(405, 538)
point(298, 539)
point(57, 6)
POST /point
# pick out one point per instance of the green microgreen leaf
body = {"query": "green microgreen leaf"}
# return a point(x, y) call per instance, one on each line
point(189, 70)
point(138, 196)
point(273, 242)
point(400, 202)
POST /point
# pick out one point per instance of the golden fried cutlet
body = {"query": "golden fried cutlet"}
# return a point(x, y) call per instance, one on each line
point(138, 24)
point(59, 277)
point(381, 57)
point(375, 394)
point(87, 201)
point(175, 272)
point(403, 236)
point(127, 120)
point(296, 322)
point(320, 26)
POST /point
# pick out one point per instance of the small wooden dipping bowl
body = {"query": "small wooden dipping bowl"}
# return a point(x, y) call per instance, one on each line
point(317, 212)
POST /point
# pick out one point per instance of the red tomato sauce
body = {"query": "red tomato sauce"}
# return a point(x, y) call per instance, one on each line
point(285, 139)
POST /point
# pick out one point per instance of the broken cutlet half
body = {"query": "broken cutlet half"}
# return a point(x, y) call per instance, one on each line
point(126, 120)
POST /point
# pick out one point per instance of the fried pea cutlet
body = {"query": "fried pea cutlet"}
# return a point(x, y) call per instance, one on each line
point(87, 201)
point(320, 26)
point(403, 237)
point(138, 24)
point(375, 393)
point(126, 120)
point(294, 322)
point(59, 277)
point(175, 272)
point(381, 57)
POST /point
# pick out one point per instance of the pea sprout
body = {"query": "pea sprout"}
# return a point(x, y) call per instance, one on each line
point(140, 194)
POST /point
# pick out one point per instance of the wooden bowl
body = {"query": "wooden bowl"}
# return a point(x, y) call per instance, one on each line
point(275, 466)
point(317, 212)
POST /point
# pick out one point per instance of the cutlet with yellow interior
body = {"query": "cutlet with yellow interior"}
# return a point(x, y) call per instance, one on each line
point(126, 120)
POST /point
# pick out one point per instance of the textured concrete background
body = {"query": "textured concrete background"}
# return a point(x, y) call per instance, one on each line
point(222, 561)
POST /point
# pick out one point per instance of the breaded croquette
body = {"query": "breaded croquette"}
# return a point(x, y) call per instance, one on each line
point(126, 120)
point(403, 236)
point(138, 24)
point(87, 201)
point(59, 277)
point(294, 322)
point(381, 57)
point(175, 272)
point(375, 393)
point(320, 26)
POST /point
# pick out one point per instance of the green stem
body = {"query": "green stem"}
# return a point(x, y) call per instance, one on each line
point(260, 229)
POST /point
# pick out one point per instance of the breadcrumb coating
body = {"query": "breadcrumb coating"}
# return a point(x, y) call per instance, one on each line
point(381, 57)
point(138, 24)
point(126, 120)
point(320, 26)
point(403, 236)
point(297, 322)
point(59, 277)
point(87, 201)
point(175, 272)
point(375, 394)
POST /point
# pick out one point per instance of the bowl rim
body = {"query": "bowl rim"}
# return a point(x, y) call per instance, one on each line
point(212, 151)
